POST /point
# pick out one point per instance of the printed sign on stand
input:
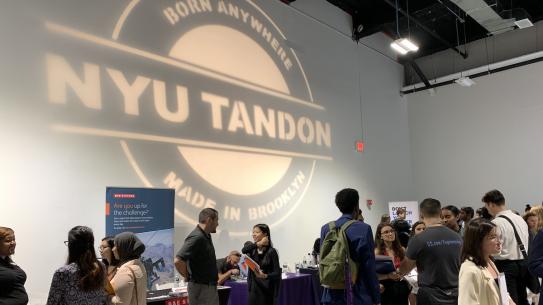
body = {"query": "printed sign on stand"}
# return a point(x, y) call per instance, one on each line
point(149, 213)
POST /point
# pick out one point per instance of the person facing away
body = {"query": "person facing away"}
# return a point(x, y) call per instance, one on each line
point(263, 283)
point(450, 216)
point(130, 280)
point(478, 280)
point(196, 260)
point(12, 277)
point(510, 260)
point(81, 281)
point(396, 291)
point(228, 266)
point(436, 254)
point(361, 248)
point(108, 259)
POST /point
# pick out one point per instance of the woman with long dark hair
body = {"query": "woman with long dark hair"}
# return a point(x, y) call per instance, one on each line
point(106, 252)
point(81, 280)
point(387, 243)
point(264, 283)
point(12, 277)
point(130, 281)
point(477, 283)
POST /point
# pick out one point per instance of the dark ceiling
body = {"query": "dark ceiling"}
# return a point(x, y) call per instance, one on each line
point(434, 24)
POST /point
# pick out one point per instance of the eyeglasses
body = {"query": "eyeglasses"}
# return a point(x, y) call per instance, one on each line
point(387, 232)
point(66, 243)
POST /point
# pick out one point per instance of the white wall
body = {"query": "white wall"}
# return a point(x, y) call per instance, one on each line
point(467, 141)
point(51, 181)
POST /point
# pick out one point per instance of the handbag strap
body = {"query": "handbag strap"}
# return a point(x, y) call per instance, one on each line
point(135, 284)
point(519, 242)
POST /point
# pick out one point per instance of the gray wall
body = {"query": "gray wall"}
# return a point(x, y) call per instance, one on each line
point(466, 141)
point(52, 181)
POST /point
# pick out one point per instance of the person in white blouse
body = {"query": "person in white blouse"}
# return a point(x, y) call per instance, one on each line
point(478, 280)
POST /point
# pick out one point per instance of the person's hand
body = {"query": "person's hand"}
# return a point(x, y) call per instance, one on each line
point(261, 275)
point(234, 271)
point(381, 288)
point(263, 242)
point(394, 276)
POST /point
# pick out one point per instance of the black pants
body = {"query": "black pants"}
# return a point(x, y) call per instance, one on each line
point(514, 278)
point(396, 292)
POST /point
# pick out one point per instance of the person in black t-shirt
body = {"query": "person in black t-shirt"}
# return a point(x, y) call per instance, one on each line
point(228, 266)
point(436, 254)
point(196, 260)
point(12, 277)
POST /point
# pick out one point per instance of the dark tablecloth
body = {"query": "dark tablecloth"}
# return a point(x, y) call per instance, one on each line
point(296, 289)
point(314, 272)
point(159, 297)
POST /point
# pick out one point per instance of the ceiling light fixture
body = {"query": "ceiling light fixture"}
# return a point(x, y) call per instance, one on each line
point(402, 45)
point(465, 81)
point(524, 23)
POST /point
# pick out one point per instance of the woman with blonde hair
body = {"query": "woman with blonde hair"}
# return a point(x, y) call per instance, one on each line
point(538, 211)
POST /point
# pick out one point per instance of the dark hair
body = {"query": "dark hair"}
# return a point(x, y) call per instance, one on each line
point(380, 244)
point(266, 230)
point(430, 207)
point(414, 226)
point(347, 200)
point(114, 262)
point(527, 208)
point(317, 246)
point(207, 213)
point(469, 211)
point(483, 213)
point(495, 197)
point(400, 211)
point(453, 209)
point(385, 218)
point(81, 252)
point(474, 235)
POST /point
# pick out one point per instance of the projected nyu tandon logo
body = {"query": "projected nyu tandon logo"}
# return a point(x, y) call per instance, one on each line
point(204, 96)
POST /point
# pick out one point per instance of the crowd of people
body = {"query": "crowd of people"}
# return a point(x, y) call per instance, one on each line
point(449, 256)
point(119, 278)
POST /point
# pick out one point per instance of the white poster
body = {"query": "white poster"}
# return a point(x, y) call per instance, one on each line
point(411, 208)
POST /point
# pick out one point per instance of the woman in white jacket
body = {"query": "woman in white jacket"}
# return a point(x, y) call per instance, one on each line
point(478, 281)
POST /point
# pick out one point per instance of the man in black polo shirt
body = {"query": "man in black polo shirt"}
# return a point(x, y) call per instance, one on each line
point(228, 266)
point(196, 260)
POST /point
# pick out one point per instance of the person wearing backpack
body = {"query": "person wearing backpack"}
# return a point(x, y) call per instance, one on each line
point(348, 239)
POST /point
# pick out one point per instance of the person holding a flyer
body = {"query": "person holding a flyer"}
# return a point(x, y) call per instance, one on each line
point(265, 272)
